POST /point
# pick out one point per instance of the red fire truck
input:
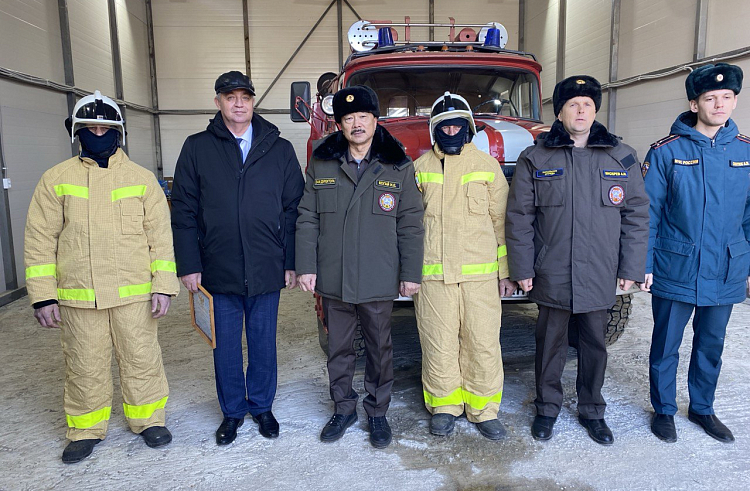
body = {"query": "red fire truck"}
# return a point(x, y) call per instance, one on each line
point(501, 85)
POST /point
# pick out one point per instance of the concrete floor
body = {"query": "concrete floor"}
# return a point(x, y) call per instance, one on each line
point(32, 425)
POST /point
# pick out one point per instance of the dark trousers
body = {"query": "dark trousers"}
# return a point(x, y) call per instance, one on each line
point(709, 329)
point(341, 319)
point(240, 393)
point(551, 350)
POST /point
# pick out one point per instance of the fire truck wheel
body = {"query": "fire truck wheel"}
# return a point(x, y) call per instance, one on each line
point(618, 316)
point(359, 340)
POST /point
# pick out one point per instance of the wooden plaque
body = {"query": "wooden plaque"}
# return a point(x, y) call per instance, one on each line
point(202, 315)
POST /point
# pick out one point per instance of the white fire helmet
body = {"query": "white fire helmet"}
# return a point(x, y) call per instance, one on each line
point(449, 106)
point(97, 109)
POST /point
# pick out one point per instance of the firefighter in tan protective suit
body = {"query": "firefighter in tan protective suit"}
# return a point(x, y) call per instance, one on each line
point(465, 273)
point(100, 265)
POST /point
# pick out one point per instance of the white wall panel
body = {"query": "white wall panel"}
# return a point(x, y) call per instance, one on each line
point(196, 41)
point(727, 26)
point(645, 112)
point(541, 40)
point(30, 38)
point(89, 38)
point(655, 34)
point(133, 37)
point(587, 28)
point(140, 139)
point(34, 140)
point(174, 130)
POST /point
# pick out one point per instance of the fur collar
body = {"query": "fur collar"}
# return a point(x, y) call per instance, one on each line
point(599, 136)
point(384, 147)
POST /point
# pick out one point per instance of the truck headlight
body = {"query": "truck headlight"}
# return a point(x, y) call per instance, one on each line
point(327, 104)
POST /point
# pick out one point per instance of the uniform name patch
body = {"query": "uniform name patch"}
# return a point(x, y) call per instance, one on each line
point(616, 194)
point(739, 164)
point(548, 173)
point(389, 184)
point(615, 173)
point(686, 162)
point(328, 181)
point(387, 202)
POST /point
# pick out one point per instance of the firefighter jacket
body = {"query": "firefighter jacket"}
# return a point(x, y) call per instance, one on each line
point(464, 199)
point(698, 246)
point(360, 238)
point(577, 219)
point(98, 237)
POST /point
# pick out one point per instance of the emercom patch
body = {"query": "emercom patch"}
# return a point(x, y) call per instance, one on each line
point(541, 174)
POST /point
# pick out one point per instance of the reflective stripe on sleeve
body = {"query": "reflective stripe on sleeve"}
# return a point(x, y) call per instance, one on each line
point(84, 294)
point(144, 411)
point(132, 290)
point(89, 419)
point(128, 192)
point(486, 268)
point(41, 270)
point(435, 177)
point(432, 269)
point(478, 176)
point(502, 251)
point(72, 190)
point(160, 265)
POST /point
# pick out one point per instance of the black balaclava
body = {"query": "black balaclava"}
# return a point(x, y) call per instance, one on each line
point(452, 145)
point(99, 148)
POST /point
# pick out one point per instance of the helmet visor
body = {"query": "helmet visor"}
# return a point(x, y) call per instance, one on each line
point(98, 110)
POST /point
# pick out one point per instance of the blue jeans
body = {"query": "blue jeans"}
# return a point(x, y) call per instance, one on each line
point(240, 393)
point(709, 329)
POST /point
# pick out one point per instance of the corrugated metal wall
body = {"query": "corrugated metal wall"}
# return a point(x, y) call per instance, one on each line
point(31, 118)
point(654, 35)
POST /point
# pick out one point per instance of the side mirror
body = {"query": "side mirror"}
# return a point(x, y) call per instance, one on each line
point(299, 102)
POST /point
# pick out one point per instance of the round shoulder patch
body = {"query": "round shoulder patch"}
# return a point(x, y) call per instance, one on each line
point(616, 194)
point(386, 201)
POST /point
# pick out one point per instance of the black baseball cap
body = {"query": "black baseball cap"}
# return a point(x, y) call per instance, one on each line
point(233, 80)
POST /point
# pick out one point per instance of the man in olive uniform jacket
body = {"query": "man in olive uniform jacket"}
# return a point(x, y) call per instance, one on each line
point(577, 226)
point(358, 245)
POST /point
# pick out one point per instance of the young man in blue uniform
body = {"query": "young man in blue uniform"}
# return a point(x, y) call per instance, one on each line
point(698, 180)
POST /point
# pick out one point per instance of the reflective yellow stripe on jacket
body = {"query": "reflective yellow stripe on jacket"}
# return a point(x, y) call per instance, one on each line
point(502, 251)
point(478, 176)
point(41, 270)
point(128, 192)
point(435, 177)
point(72, 190)
point(132, 290)
point(486, 268)
point(83, 294)
point(462, 396)
point(144, 411)
point(89, 419)
point(160, 265)
point(432, 269)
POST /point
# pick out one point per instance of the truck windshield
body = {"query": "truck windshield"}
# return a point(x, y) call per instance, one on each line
point(410, 91)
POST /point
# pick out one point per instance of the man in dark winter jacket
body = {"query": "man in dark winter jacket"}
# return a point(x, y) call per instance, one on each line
point(698, 255)
point(577, 226)
point(359, 244)
point(234, 207)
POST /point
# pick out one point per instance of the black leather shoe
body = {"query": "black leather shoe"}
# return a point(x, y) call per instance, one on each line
point(662, 425)
point(79, 450)
point(442, 424)
point(267, 424)
point(492, 429)
point(227, 431)
point(598, 430)
point(542, 427)
point(336, 426)
point(380, 432)
point(711, 424)
point(156, 436)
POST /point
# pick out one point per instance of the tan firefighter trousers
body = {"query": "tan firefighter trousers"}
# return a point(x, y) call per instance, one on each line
point(459, 329)
point(87, 337)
